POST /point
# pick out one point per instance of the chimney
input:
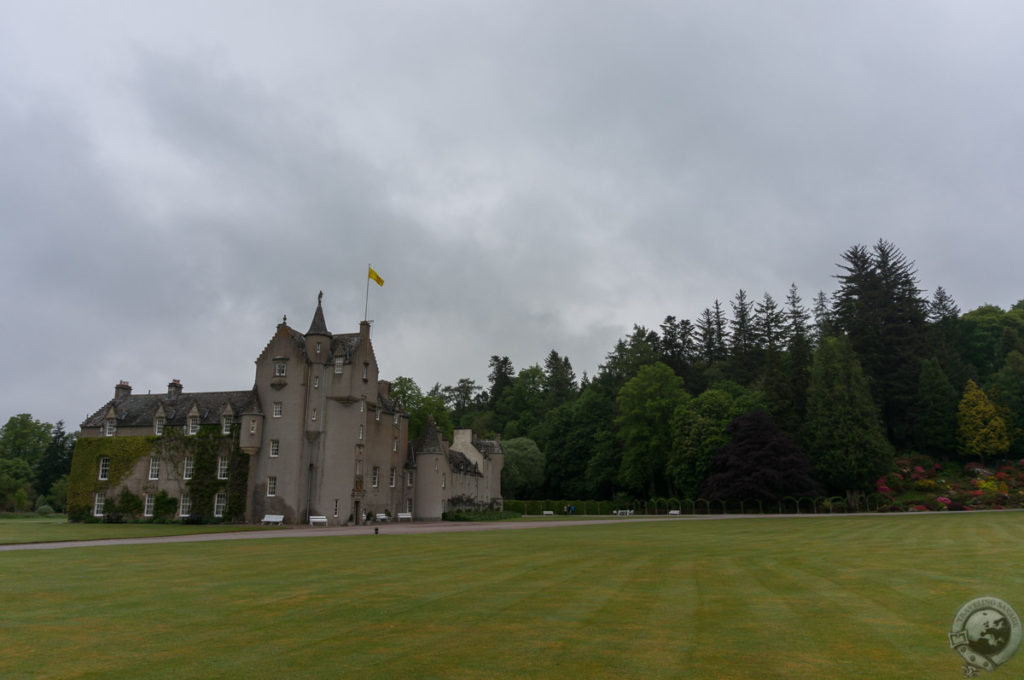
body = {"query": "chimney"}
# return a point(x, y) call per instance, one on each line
point(174, 389)
point(123, 389)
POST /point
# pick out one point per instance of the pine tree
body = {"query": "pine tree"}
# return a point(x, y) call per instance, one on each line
point(934, 413)
point(842, 432)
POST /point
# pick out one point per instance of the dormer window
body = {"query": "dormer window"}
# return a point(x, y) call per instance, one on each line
point(158, 425)
point(280, 369)
point(225, 425)
point(110, 427)
point(193, 424)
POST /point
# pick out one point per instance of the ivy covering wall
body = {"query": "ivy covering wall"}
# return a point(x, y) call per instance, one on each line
point(205, 448)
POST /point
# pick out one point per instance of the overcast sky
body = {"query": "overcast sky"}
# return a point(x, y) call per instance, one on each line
point(525, 176)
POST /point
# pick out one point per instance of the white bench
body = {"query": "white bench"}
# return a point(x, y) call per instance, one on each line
point(674, 512)
point(549, 512)
point(622, 512)
point(317, 519)
point(272, 519)
point(382, 517)
point(404, 515)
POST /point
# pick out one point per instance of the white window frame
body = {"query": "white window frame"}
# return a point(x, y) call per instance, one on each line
point(280, 369)
point(409, 478)
point(222, 467)
point(193, 425)
point(98, 500)
point(394, 477)
point(394, 444)
point(362, 406)
point(185, 505)
point(104, 473)
point(361, 433)
point(366, 371)
point(275, 448)
point(154, 468)
point(220, 502)
point(375, 476)
point(271, 485)
point(278, 409)
point(158, 425)
point(339, 366)
point(408, 505)
point(225, 425)
point(188, 468)
point(149, 503)
point(110, 427)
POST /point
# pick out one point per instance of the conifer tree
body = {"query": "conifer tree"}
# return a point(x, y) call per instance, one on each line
point(982, 432)
point(842, 432)
point(934, 413)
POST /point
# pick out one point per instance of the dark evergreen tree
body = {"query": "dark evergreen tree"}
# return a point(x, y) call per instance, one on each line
point(934, 413)
point(770, 325)
point(1007, 387)
point(880, 308)
point(501, 376)
point(842, 432)
point(760, 462)
point(56, 459)
point(559, 380)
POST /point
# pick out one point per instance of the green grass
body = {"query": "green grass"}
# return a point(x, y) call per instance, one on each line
point(36, 529)
point(843, 597)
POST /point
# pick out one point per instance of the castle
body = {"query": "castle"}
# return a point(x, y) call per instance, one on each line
point(318, 436)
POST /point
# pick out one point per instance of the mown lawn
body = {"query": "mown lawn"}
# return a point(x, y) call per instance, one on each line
point(35, 529)
point(842, 597)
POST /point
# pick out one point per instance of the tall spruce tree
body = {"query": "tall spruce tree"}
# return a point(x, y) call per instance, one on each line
point(843, 435)
point(934, 413)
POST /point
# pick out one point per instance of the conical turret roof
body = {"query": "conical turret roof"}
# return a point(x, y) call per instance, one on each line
point(319, 326)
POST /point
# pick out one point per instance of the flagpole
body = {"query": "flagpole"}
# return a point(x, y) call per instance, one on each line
point(366, 307)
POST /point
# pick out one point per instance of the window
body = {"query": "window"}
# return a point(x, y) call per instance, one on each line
point(185, 505)
point(147, 509)
point(222, 467)
point(280, 368)
point(186, 473)
point(277, 409)
point(362, 406)
point(158, 426)
point(376, 476)
point(393, 477)
point(394, 419)
point(275, 448)
point(377, 416)
point(220, 501)
point(366, 370)
point(360, 432)
point(271, 486)
point(316, 381)
point(318, 348)
point(408, 478)
point(313, 415)
point(110, 428)
point(444, 480)
point(154, 467)
point(337, 503)
point(408, 505)
point(193, 424)
point(97, 504)
point(394, 444)
point(225, 425)
point(339, 366)
point(104, 468)
point(252, 426)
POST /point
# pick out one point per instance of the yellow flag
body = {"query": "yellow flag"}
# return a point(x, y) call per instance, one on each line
point(376, 277)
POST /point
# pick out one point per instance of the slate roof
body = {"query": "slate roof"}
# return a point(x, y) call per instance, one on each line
point(139, 410)
point(488, 446)
point(318, 325)
point(460, 463)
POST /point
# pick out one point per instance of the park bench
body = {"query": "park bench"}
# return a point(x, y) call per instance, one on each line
point(622, 512)
point(674, 512)
point(382, 517)
point(549, 512)
point(317, 519)
point(404, 515)
point(272, 519)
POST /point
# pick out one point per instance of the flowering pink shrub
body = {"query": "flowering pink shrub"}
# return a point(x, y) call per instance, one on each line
point(945, 501)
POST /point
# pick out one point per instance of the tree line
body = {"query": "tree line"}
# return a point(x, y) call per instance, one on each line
point(35, 459)
point(764, 400)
